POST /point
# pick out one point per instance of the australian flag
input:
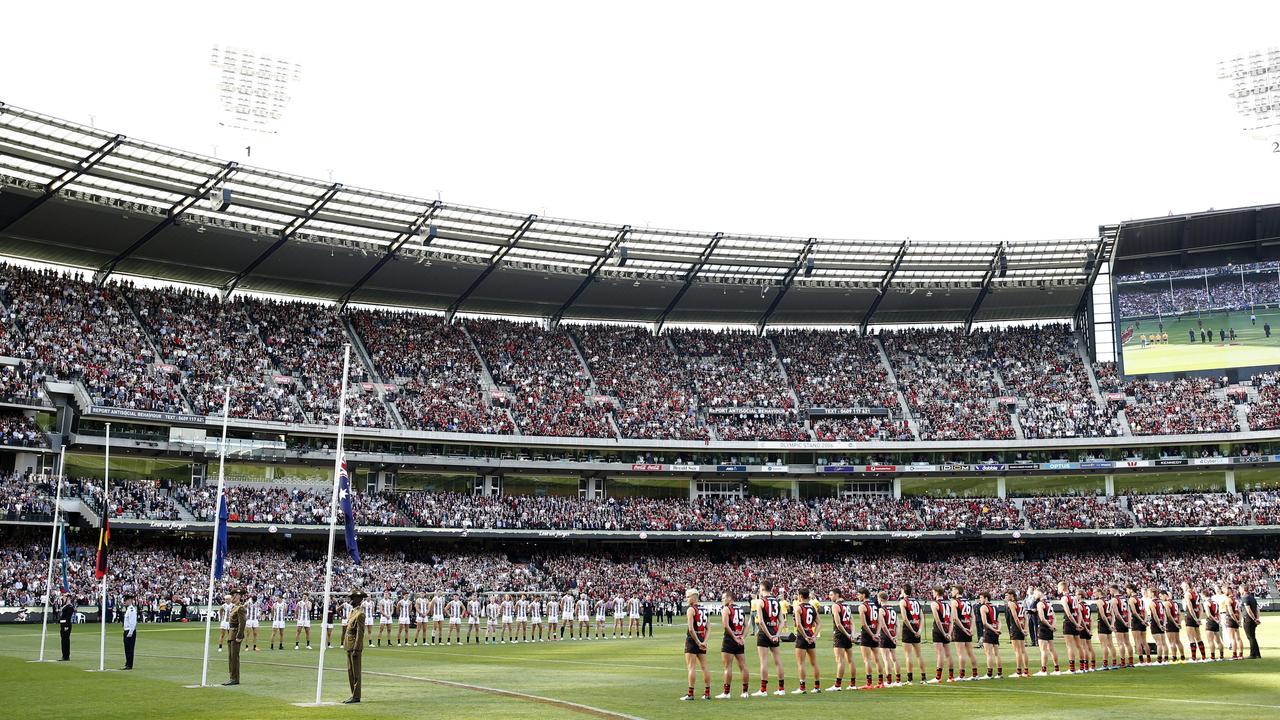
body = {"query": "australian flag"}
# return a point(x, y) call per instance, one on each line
point(344, 502)
point(220, 554)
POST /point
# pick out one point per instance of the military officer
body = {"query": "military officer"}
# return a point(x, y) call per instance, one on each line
point(353, 643)
point(238, 617)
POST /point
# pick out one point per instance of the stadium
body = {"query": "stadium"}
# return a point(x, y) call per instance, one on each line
point(557, 450)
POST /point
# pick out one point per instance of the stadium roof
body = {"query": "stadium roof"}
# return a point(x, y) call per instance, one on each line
point(1163, 243)
point(128, 206)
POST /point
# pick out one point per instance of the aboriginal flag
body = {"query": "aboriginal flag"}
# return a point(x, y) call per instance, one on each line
point(104, 538)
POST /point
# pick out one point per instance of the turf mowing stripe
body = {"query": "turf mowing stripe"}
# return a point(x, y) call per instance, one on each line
point(1120, 697)
point(568, 662)
point(515, 694)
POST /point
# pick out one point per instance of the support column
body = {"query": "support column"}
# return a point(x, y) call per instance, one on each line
point(1109, 485)
point(795, 489)
point(1231, 481)
point(693, 489)
point(1001, 490)
point(897, 488)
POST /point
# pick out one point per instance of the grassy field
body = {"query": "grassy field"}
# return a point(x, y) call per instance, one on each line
point(609, 679)
point(1250, 348)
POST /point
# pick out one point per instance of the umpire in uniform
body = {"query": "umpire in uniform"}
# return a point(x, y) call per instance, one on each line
point(236, 623)
point(353, 643)
point(66, 612)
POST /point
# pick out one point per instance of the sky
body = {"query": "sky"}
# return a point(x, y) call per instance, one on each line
point(947, 121)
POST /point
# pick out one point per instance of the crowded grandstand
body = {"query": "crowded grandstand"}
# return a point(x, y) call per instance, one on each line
point(525, 418)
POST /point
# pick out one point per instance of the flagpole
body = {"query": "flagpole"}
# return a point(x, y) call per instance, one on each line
point(217, 512)
point(106, 510)
point(333, 513)
point(53, 545)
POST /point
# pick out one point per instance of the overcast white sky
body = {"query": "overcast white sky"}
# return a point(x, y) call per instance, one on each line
point(842, 120)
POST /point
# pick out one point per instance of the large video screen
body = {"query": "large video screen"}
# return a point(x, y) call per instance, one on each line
point(1208, 318)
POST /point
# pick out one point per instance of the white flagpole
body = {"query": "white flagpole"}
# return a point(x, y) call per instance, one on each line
point(217, 510)
point(106, 510)
point(333, 513)
point(53, 546)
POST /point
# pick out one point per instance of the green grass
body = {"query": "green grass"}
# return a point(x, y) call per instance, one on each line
point(1250, 348)
point(637, 678)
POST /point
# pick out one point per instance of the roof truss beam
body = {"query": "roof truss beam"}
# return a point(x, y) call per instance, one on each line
point(593, 272)
point(689, 277)
point(171, 218)
point(286, 234)
point(883, 288)
point(413, 231)
point(992, 270)
point(787, 280)
point(494, 261)
point(67, 177)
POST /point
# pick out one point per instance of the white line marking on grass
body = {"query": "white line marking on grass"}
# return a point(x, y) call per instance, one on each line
point(1105, 696)
point(516, 694)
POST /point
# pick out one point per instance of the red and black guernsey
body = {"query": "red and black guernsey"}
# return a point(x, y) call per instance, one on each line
point(842, 618)
point(1047, 607)
point(699, 631)
point(1016, 620)
point(870, 618)
point(771, 613)
point(966, 616)
point(809, 619)
point(991, 614)
point(890, 624)
point(943, 617)
point(737, 621)
point(914, 612)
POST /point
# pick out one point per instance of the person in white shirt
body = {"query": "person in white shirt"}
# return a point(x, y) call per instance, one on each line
point(473, 618)
point(302, 621)
point(367, 607)
point(553, 618)
point(421, 612)
point(254, 620)
point(130, 630)
point(386, 616)
point(633, 617)
point(535, 619)
point(566, 615)
point(403, 620)
point(224, 620)
point(522, 618)
point(491, 620)
point(437, 618)
point(279, 609)
point(602, 616)
point(508, 609)
point(454, 610)
point(584, 616)
point(619, 616)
